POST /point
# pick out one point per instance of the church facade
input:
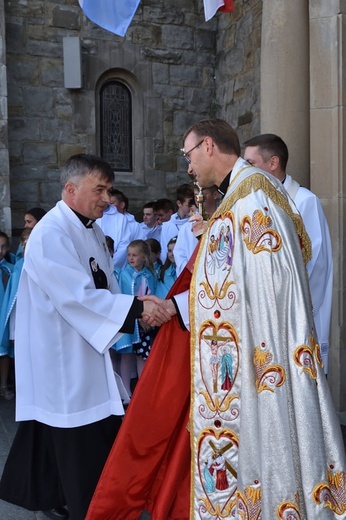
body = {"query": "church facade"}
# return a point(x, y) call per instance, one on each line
point(68, 86)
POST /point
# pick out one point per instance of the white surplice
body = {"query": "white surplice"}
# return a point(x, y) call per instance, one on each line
point(65, 326)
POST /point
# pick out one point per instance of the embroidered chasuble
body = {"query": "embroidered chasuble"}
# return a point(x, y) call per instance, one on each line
point(265, 441)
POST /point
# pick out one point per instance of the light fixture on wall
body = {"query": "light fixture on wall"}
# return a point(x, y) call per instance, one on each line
point(72, 62)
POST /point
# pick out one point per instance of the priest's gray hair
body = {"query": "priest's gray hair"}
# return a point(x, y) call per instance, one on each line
point(80, 165)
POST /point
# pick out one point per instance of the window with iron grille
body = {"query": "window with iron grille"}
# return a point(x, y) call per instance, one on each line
point(116, 125)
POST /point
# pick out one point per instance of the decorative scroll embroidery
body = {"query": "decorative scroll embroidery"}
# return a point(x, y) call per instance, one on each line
point(288, 511)
point(248, 504)
point(303, 357)
point(260, 182)
point(268, 377)
point(218, 477)
point(332, 494)
point(258, 234)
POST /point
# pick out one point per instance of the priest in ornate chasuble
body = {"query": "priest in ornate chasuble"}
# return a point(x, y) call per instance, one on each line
point(254, 434)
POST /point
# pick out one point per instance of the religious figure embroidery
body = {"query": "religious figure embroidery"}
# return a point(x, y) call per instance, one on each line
point(215, 290)
point(99, 276)
point(219, 338)
point(216, 449)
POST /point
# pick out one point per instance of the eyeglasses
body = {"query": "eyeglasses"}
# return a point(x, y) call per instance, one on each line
point(186, 154)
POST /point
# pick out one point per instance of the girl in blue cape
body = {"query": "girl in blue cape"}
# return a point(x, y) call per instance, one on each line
point(168, 273)
point(10, 274)
point(137, 278)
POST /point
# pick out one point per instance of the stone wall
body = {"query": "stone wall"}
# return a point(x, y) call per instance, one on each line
point(237, 72)
point(178, 67)
point(5, 213)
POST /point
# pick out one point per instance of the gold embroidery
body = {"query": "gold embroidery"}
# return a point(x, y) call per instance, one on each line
point(257, 182)
point(268, 377)
point(249, 503)
point(214, 293)
point(258, 234)
point(288, 510)
point(303, 357)
point(214, 404)
point(333, 493)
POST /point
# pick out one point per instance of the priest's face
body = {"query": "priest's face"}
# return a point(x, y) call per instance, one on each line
point(90, 196)
point(198, 165)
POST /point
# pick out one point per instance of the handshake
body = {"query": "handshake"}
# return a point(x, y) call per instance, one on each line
point(157, 311)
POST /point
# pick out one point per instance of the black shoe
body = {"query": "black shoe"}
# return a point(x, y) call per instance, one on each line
point(59, 513)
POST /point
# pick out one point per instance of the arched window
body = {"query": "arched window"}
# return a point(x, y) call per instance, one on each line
point(116, 125)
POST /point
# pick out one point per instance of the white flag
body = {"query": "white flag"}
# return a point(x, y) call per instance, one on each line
point(113, 15)
point(210, 8)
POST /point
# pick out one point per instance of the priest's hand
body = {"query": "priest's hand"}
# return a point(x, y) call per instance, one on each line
point(157, 311)
point(199, 225)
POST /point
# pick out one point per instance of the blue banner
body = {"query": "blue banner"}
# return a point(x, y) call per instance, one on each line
point(113, 15)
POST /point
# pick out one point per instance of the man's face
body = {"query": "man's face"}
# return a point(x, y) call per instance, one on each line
point(199, 161)
point(253, 157)
point(120, 205)
point(149, 217)
point(91, 196)
point(163, 216)
point(185, 206)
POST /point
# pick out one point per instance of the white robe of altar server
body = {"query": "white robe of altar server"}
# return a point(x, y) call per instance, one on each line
point(170, 230)
point(184, 246)
point(115, 225)
point(320, 267)
point(64, 374)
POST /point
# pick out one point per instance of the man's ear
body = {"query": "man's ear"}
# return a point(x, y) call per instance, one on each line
point(274, 162)
point(70, 188)
point(209, 144)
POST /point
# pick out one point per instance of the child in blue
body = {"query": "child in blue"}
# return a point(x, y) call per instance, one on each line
point(6, 269)
point(168, 274)
point(137, 278)
point(155, 251)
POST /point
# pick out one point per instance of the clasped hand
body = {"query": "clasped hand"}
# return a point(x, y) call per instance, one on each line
point(156, 311)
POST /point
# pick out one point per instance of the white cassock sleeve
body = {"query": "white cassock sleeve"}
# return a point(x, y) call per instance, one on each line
point(182, 301)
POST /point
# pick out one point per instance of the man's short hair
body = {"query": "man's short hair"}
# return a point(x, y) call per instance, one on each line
point(120, 196)
point(185, 191)
point(80, 165)
point(149, 205)
point(164, 205)
point(224, 136)
point(269, 145)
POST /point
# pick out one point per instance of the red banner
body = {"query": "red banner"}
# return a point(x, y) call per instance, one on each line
point(228, 6)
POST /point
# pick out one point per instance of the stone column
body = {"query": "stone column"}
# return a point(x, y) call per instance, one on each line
point(327, 76)
point(5, 211)
point(285, 79)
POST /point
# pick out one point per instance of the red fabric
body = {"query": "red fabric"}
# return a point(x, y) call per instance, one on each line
point(228, 6)
point(149, 464)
